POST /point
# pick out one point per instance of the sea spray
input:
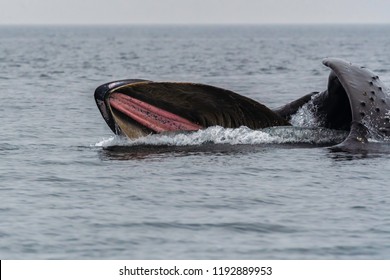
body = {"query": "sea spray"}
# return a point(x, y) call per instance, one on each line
point(234, 136)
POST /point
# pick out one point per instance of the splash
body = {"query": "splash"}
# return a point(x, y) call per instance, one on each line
point(233, 136)
point(111, 141)
point(305, 116)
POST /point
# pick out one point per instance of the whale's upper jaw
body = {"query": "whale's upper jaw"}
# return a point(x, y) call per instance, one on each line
point(368, 97)
point(101, 96)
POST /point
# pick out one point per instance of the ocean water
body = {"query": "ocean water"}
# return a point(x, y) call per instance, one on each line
point(71, 190)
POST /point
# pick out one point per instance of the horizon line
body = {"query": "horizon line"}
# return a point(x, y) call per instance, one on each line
point(197, 24)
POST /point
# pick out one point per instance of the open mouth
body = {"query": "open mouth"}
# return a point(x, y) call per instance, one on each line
point(133, 117)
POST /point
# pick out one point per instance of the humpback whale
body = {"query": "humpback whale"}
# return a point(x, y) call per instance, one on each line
point(355, 100)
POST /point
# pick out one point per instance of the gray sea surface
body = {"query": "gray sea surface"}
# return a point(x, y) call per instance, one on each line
point(71, 190)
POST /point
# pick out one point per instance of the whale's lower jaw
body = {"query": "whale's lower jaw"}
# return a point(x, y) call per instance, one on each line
point(136, 108)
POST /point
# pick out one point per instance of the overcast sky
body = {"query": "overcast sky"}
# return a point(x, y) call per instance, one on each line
point(193, 11)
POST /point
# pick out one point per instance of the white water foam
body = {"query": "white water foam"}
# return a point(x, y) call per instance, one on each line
point(215, 134)
point(232, 136)
point(305, 116)
point(112, 141)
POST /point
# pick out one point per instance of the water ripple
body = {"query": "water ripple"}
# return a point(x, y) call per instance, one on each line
point(217, 193)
